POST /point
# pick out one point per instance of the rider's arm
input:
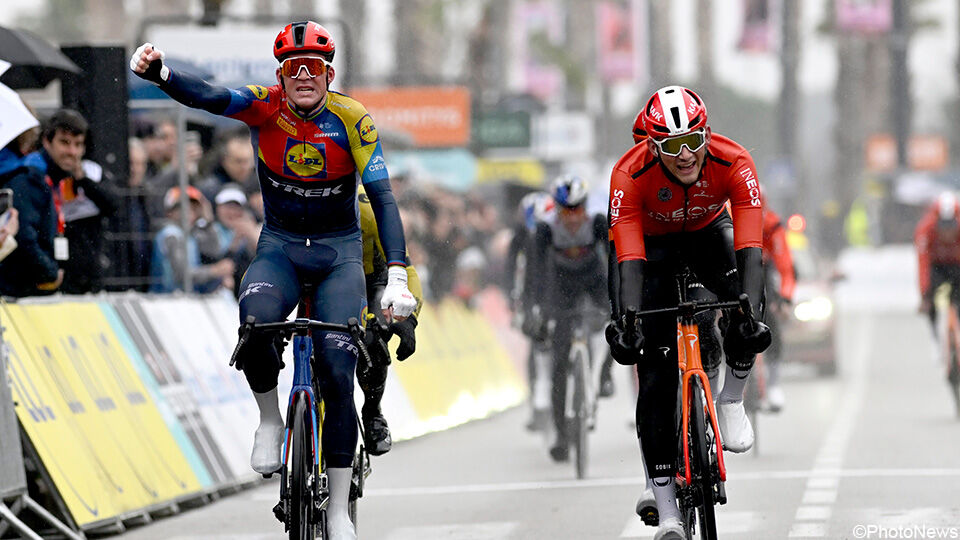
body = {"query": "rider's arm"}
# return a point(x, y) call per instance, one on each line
point(416, 289)
point(195, 92)
point(780, 254)
point(744, 193)
point(626, 233)
point(368, 158)
point(535, 277)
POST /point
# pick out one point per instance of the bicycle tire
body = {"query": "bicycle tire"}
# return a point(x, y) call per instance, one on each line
point(581, 414)
point(702, 464)
point(953, 376)
point(302, 526)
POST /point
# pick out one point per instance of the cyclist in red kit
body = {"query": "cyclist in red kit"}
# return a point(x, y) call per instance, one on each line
point(667, 211)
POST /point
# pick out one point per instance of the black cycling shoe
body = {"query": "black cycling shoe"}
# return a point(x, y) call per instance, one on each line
point(560, 452)
point(377, 435)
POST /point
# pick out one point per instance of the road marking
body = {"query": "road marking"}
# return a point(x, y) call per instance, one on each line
point(475, 531)
point(820, 495)
point(728, 522)
point(831, 476)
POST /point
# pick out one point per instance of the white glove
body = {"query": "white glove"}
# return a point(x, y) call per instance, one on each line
point(396, 294)
point(145, 73)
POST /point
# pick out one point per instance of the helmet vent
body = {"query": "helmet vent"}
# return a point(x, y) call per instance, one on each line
point(298, 35)
point(321, 40)
point(675, 112)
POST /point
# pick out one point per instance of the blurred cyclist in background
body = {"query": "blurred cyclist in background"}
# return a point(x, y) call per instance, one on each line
point(667, 211)
point(313, 146)
point(937, 239)
point(780, 283)
point(567, 264)
point(534, 207)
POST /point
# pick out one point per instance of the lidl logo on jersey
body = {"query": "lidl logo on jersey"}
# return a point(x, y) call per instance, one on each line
point(260, 92)
point(368, 131)
point(304, 159)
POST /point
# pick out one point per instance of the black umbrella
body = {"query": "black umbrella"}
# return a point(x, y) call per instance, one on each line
point(34, 61)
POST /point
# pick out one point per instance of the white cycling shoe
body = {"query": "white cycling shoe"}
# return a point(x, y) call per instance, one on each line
point(647, 508)
point(670, 529)
point(735, 429)
point(339, 526)
point(267, 442)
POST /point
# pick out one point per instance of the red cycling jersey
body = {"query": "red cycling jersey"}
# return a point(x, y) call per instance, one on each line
point(935, 245)
point(645, 199)
point(775, 249)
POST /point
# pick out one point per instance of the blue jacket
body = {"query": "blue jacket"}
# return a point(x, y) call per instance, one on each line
point(32, 262)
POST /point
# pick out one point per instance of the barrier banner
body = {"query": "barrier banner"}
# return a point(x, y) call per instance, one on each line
point(199, 352)
point(92, 422)
point(460, 371)
point(172, 386)
point(13, 479)
point(170, 417)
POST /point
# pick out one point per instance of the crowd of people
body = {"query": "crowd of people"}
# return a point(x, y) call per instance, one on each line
point(127, 233)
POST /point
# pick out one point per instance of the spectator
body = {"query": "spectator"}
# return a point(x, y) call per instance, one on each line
point(31, 269)
point(161, 146)
point(174, 256)
point(132, 225)
point(233, 213)
point(80, 197)
point(237, 165)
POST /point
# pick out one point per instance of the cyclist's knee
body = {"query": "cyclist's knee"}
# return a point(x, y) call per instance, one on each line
point(336, 370)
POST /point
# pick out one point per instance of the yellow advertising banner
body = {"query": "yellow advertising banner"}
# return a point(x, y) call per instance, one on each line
point(95, 427)
point(460, 371)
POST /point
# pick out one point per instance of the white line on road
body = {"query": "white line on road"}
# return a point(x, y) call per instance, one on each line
point(821, 491)
point(818, 475)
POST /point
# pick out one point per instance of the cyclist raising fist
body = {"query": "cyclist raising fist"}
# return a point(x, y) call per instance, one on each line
point(313, 145)
point(667, 197)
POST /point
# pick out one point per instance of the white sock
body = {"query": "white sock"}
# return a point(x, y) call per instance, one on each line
point(665, 493)
point(269, 407)
point(733, 384)
point(338, 516)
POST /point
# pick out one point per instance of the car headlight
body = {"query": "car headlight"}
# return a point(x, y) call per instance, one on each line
point(815, 309)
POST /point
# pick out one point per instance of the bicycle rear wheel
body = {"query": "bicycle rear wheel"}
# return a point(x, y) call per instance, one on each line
point(701, 463)
point(300, 511)
point(581, 412)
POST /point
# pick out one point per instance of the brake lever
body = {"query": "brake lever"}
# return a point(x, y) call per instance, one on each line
point(747, 311)
point(245, 332)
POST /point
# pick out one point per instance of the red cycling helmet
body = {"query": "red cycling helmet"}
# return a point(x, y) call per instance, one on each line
point(672, 111)
point(639, 133)
point(304, 36)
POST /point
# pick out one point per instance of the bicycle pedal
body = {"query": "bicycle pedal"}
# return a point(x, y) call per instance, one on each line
point(279, 513)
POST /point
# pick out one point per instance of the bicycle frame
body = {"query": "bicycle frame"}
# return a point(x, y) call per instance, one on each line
point(688, 355)
point(303, 389)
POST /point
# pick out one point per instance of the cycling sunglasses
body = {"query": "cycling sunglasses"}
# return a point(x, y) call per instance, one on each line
point(674, 145)
point(314, 65)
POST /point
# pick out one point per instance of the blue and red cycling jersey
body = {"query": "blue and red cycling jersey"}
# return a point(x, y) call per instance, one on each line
point(309, 167)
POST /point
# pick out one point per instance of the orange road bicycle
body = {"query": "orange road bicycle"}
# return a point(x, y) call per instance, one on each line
point(700, 469)
point(951, 353)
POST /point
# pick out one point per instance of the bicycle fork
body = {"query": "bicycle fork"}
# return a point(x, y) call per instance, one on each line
point(688, 354)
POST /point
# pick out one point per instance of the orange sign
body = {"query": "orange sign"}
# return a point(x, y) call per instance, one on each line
point(881, 153)
point(431, 115)
point(928, 152)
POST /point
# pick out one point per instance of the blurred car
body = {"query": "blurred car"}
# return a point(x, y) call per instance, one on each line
point(808, 327)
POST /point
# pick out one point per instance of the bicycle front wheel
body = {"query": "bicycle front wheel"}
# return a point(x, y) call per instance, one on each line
point(300, 511)
point(581, 410)
point(701, 463)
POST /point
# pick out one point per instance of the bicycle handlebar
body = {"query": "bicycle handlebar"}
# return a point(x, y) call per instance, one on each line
point(300, 326)
point(691, 308)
